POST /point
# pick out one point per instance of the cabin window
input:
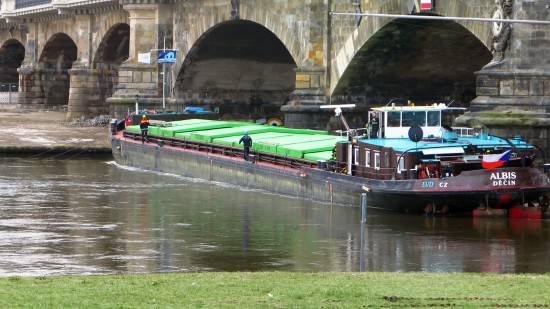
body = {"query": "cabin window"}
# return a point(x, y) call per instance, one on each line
point(400, 163)
point(410, 119)
point(377, 160)
point(367, 157)
point(394, 119)
point(434, 118)
point(356, 155)
point(386, 159)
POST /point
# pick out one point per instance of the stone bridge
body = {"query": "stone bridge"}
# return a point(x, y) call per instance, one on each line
point(254, 59)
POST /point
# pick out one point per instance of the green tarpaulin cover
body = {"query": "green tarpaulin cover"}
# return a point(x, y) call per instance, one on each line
point(300, 149)
point(234, 140)
point(192, 127)
point(318, 156)
point(270, 145)
point(209, 135)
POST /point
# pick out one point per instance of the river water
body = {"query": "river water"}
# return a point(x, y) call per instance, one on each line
point(87, 216)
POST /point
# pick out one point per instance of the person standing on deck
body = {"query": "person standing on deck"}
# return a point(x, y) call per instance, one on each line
point(374, 125)
point(247, 143)
point(144, 126)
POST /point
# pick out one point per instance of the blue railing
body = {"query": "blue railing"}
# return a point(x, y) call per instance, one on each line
point(19, 4)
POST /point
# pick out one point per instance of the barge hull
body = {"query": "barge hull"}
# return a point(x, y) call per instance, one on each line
point(317, 184)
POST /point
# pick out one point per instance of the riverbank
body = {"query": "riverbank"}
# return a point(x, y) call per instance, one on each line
point(279, 290)
point(33, 131)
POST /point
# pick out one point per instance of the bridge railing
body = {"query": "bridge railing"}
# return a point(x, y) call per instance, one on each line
point(19, 4)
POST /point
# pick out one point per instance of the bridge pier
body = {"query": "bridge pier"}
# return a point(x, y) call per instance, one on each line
point(303, 110)
point(85, 93)
point(29, 83)
point(135, 81)
point(141, 80)
point(513, 90)
point(41, 88)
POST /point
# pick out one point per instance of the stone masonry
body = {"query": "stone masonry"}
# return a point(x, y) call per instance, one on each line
point(101, 56)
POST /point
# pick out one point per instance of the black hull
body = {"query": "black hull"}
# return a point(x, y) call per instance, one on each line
point(498, 188)
point(456, 202)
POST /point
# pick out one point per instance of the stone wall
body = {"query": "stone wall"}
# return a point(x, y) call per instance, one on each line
point(322, 46)
point(514, 89)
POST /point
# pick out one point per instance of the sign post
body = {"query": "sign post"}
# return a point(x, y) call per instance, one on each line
point(164, 57)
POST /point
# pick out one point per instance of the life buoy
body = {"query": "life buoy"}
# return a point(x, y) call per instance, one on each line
point(274, 121)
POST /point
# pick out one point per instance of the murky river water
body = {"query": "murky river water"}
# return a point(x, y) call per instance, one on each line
point(86, 215)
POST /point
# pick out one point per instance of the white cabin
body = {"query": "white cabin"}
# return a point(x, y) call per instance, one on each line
point(395, 121)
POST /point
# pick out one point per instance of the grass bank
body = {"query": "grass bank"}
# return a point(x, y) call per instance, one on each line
point(279, 290)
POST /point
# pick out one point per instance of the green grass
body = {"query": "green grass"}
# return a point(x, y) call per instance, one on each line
point(279, 290)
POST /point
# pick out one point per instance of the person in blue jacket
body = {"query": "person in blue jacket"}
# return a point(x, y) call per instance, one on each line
point(247, 143)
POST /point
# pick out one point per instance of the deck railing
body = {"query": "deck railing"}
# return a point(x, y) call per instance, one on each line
point(224, 150)
point(464, 131)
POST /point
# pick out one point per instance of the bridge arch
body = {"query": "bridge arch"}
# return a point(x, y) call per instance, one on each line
point(193, 19)
point(101, 51)
point(111, 52)
point(240, 61)
point(374, 34)
point(424, 61)
point(12, 53)
point(114, 46)
point(290, 33)
point(106, 27)
point(279, 22)
point(55, 61)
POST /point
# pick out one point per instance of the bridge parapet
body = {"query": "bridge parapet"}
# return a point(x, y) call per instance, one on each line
point(19, 4)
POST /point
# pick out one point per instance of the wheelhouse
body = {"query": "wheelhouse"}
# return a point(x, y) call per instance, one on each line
point(395, 121)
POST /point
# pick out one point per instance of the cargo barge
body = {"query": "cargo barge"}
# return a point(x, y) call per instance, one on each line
point(404, 161)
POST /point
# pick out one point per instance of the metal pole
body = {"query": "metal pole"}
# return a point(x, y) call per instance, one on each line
point(164, 78)
point(430, 17)
point(137, 108)
point(350, 149)
point(363, 220)
point(363, 207)
point(362, 248)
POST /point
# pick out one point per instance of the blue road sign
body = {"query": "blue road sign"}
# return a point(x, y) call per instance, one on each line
point(167, 57)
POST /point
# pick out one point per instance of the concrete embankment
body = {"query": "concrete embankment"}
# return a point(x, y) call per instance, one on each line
point(24, 131)
point(57, 149)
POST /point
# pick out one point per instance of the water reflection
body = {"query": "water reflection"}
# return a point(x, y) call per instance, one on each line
point(86, 215)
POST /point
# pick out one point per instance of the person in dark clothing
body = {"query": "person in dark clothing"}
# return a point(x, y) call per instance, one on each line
point(374, 125)
point(247, 143)
point(144, 126)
